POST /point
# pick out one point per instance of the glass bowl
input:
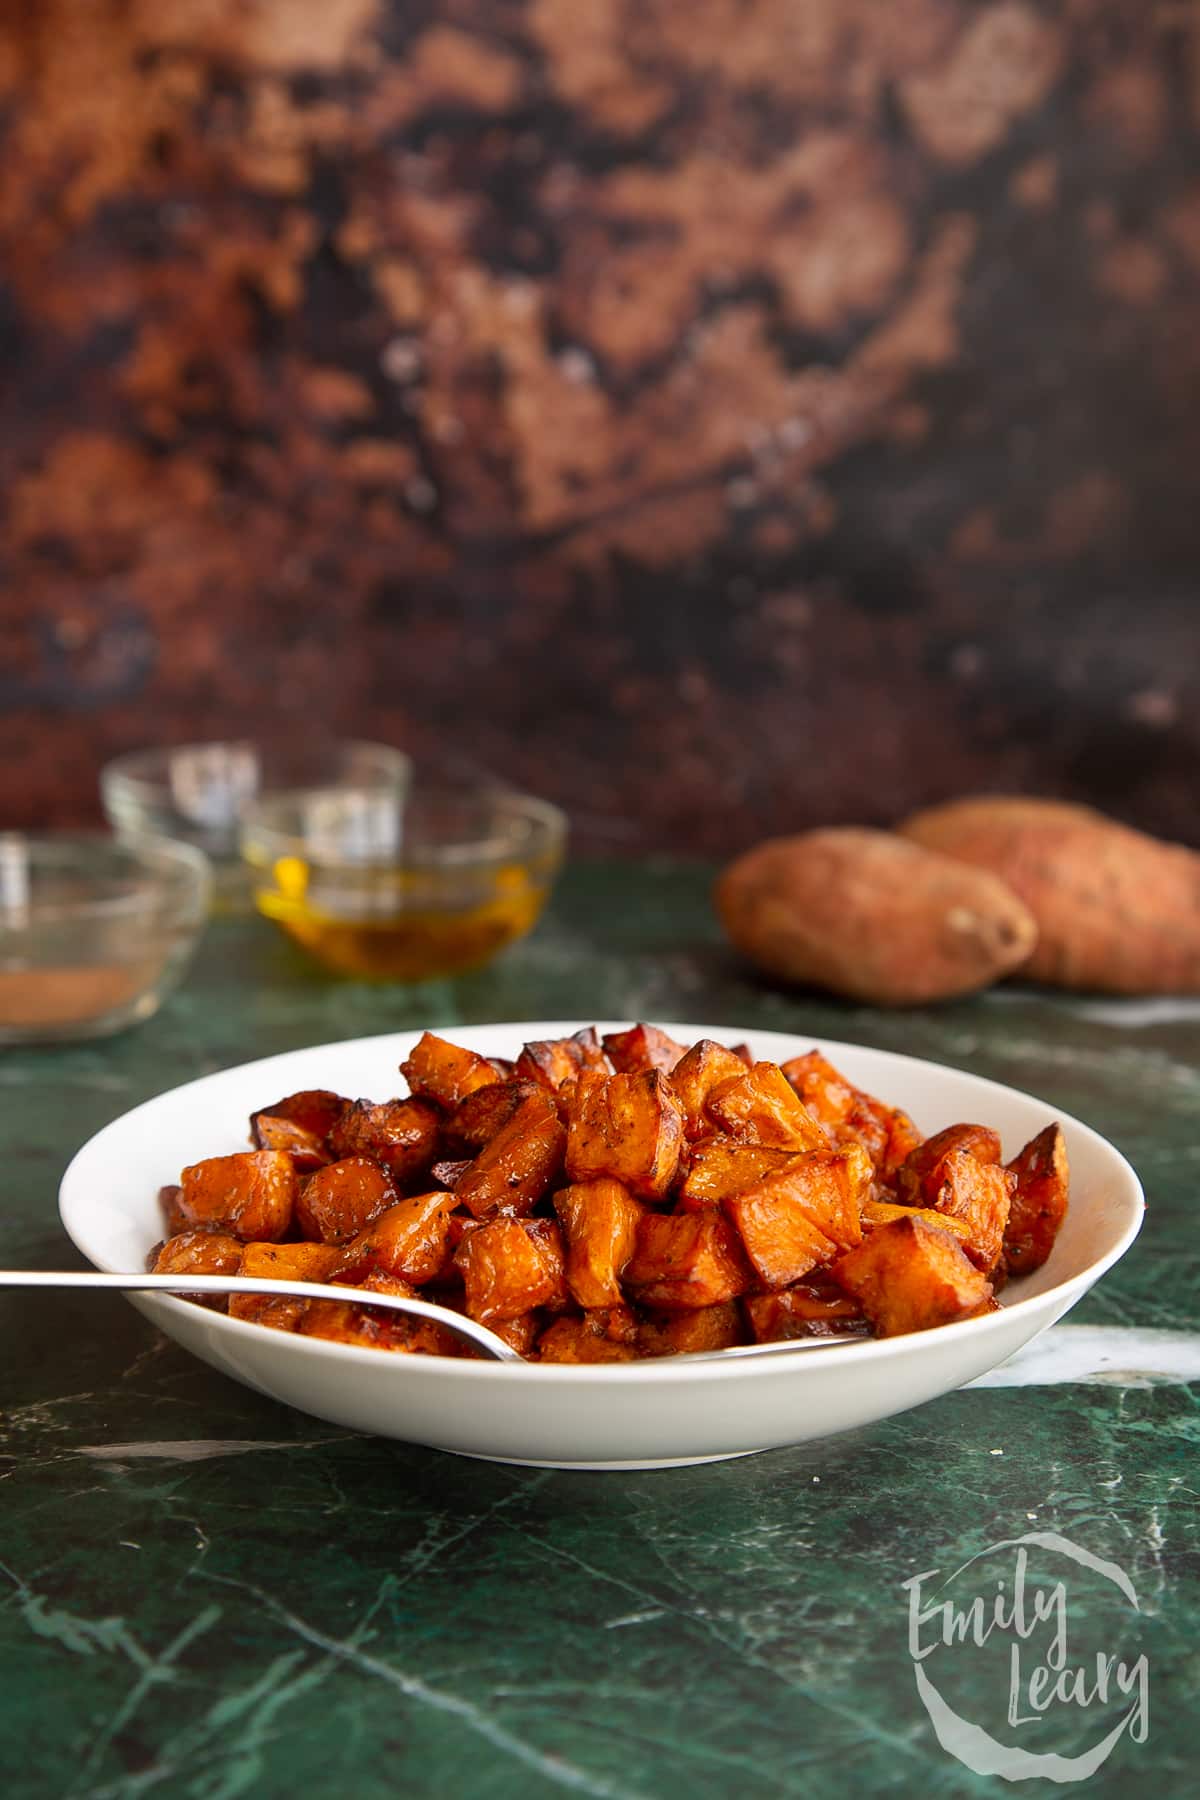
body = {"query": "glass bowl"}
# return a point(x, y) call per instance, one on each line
point(197, 793)
point(93, 930)
point(409, 886)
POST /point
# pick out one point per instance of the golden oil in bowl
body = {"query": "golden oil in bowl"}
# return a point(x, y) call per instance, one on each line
point(404, 887)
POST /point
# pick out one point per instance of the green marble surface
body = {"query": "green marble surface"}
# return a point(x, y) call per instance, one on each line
point(205, 1594)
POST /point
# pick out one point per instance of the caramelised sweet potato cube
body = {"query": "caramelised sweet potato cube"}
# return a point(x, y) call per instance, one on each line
point(760, 1106)
point(694, 1077)
point(628, 1127)
point(886, 1212)
point(411, 1241)
point(551, 1061)
point(922, 1175)
point(812, 1308)
point(515, 1168)
point(686, 1333)
point(280, 1262)
point(851, 1116)
point(445, 1072)
point(251, 1194)
point(980, 1195)
point(719, 1166)
point(510, 1267)
point(522, 1334)
point(599, 1222)
point(199, 1253)
point(337, 1201)
point(300, 1124)
point(826, 1092)
point(477, 1119)
point(1039, 1203)
point(403, 1135)
point(803, 1217)
point(355, 1322)
point(687, 1260)
point(585, 1340)
point(909, 1276)
point(642, 1047)
point(169, 1205)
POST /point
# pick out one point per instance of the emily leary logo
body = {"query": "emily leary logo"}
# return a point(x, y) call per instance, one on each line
point(997, 1634)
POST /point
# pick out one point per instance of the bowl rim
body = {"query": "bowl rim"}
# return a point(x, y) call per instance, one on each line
point(676, 1369)
point(188, 882)
point(142, 773)
point(263, 843)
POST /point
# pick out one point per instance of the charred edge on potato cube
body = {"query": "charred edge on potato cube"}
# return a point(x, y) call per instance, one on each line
point(552, 1061)
point(814, 1308)
point(804, 1217)
point(514, 1170)
point(644, 1047)
point(445, 1073)
point(686, 1260)
point(300, 1124)
point(476, 1120)
point(1039, 1202)
point(760, 1106)
point(695, 1075)
point(403, 1135)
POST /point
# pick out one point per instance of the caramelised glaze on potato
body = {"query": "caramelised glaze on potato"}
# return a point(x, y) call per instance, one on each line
point(198, 1253)
point(602, 1203)
point(251, 1194)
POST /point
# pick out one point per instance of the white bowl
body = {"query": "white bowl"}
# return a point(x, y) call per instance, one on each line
point(612, 1416)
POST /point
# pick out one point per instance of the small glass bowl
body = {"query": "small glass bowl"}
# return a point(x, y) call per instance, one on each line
point(94, 931)
point(404, 887)
point(197, 793)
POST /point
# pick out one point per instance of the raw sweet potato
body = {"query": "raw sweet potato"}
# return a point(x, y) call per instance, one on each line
point(1117, 911)
point(599, 1222)
point(685, 1260)
point(1039, 1202)
point(250, 1194)
point(628, 1127)
point(445, 1072)
point(342, 1198)
point(642, 1047)
point(909, 1276)
point(872, 916)
point(515, 1168)
point(400, 1134)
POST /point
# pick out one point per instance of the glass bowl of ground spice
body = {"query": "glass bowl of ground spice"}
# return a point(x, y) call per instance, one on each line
point(93, 931)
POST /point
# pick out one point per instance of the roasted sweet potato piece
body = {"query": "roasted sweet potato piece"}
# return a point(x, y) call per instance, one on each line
point(759, 1105)
point(884, 1212)
point(803, 1217)
point(250, 1194)
point(280, 1262)
point(909, 1276)
point(719, 1166)
point(813, 1308)
point(447, 1175)
point(599, 1222)
point(851, 1116)
point(299, 1124)
point(551, 1061)
point(403, 1135)
point(339, 1200)
point(353, 1322)
point(743, 1053)
point(510, 1267)
point(477, 1119)
point(445, 1072)
point(695, 1075)
point(585, 1340)
point(686, 1333)
point(199, 1253)
point(687, 1260)
point(411, 1241)
point(642, 1047)
point(979, 1194)
point(1039, 1204)
point(922, 1175)
point(514, 1169)
point(169, 1204)
point(628, 1127)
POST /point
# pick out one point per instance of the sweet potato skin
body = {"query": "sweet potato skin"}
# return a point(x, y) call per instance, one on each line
point(1039, 1202)
point(872, 916)
point(1117, 911)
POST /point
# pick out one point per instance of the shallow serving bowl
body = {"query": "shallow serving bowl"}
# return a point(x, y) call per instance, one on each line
point(93, 932)
point(617, 1416)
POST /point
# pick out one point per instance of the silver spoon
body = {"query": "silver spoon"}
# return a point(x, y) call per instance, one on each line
point(469, 1330)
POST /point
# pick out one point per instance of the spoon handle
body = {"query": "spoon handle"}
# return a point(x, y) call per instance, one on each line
point(478, 1336)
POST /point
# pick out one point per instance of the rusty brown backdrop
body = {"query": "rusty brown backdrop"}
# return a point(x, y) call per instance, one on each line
point(721, 415)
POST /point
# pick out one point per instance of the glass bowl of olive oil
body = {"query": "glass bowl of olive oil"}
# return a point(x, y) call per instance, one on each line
point(404, 885)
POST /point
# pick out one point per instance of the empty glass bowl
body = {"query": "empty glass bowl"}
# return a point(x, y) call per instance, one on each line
point(404, 887)
point(198, 792)
point(93, 931)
